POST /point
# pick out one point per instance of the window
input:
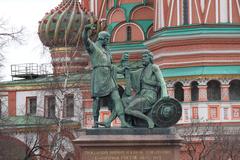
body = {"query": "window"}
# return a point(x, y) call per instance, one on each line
point(234, 90)
point(195, 112)
point(31, 105)
point(88, 119)
point(213, 90)
point(186, 118)
point(178, 91)
point(129, 33)
point(0, 108)
point(50, 106)
point(194, 91)
point(69, 106)
point(185, 12)
point(225, 113)
point(236, 112)
point(213, 112)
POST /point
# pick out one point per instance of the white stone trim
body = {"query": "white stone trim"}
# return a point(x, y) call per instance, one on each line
point(202, 3)
point(92, 5)
point(238, 6)
point(196, 36)
point(224, 11)
point(208, 8)
point(170, 16)
point(190, 12)
point(178, 13)
point(162, 24)
point(230, 11)
point(203, 61)
point(217, 11)
point(169, 54)
point(130, 51)
point(197, 9)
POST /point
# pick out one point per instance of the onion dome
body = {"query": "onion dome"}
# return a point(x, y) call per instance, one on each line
point(63, 26)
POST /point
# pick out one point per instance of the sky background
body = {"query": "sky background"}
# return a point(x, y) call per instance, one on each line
point(25, 13)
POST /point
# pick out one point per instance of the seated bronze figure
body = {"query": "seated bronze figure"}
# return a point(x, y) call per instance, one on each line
point(150, 106)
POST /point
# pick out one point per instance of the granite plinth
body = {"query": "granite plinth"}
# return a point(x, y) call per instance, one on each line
point(130, 131)
point(127, 144)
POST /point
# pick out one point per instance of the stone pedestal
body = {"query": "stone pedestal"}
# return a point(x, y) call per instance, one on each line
point(128, 144)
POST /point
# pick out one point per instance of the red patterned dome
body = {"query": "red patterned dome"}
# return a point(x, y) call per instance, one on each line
point(63, 25)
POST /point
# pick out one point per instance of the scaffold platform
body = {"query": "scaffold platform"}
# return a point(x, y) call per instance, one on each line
point(30, 70)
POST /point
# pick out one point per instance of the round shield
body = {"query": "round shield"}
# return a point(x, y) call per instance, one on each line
point(166, 112)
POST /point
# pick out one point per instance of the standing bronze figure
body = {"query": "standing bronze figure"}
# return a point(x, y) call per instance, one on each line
point(103, 82)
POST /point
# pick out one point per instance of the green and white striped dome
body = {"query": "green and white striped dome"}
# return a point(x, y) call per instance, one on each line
point(63, 26)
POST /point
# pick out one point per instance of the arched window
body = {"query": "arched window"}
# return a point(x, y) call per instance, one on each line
point(194, 91)
point(234, 90)
point(178, 91)
point(213, 90)
point(185, 12)
point(129, 33)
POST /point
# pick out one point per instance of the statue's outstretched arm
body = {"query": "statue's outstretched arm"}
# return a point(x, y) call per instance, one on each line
point(124, 65)
point(88, 43)
point(126, 71)
point(118, 69)
point(161, 80)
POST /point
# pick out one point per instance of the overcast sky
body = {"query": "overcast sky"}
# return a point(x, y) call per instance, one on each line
point(25, 13)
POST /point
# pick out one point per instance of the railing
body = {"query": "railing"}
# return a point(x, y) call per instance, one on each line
point(30, 70)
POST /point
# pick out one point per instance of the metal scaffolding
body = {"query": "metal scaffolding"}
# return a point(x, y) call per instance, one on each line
point(30, 70)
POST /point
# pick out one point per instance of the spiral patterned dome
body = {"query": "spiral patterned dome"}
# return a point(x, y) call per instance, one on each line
point(63, 25)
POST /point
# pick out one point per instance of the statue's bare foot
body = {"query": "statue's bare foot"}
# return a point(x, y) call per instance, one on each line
point(105, 124)
point(95, 125)
point(125, 125)
point(151, 124)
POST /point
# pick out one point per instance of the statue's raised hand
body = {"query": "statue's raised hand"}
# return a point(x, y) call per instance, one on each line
point(90, 26)
point(125, 56)
point(124, 60)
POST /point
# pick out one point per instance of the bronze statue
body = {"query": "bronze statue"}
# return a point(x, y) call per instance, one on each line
point(103, 82)
point(151, 103)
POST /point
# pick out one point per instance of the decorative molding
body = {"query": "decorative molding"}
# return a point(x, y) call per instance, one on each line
point(202, 81)
point(224, 81)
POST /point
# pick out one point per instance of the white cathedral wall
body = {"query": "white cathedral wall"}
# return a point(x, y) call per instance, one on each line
point(225, 111)
point(21, 100)
point(187, 112)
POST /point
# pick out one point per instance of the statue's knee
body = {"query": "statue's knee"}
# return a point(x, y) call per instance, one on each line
point(129, 109)
point(115, 95)
point(126, 110)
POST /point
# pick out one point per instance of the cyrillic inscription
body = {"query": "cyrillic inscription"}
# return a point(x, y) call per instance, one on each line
point(126, 154)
